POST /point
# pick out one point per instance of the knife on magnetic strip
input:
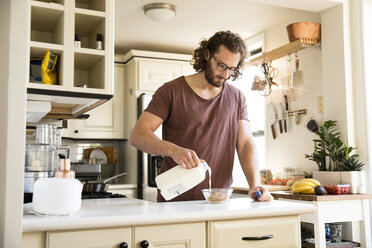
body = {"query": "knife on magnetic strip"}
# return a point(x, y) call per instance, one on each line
point(286, 120)
point(271, 113)
point(280, 116)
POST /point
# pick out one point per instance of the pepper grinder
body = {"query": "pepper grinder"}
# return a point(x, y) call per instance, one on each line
point(64, 168)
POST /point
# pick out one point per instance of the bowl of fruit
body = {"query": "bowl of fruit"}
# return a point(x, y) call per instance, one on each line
point(337, 189)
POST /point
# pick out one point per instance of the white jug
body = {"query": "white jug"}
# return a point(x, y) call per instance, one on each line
point(178, 180)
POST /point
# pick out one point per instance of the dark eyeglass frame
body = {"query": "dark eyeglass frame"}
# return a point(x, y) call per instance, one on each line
point(223, 67)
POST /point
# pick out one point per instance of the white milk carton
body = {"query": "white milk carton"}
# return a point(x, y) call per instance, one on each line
point(178, 180)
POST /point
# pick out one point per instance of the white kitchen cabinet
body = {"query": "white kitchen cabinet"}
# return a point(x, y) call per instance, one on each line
point(152, 74)
point(156, 236)
point(284, 231)
point(96, 238)
point(33, 240)
point(176, 236)
point(53, 25)
point(145, 72)
point(105, 121)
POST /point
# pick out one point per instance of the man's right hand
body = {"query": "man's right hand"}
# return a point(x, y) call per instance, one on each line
point(185, 157)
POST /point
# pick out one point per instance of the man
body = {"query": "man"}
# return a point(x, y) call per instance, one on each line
point(203, 117)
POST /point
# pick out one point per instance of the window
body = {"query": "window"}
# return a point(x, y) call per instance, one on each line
point(256, 111)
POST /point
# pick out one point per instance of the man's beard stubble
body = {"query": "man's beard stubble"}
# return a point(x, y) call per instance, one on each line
point(209, 75)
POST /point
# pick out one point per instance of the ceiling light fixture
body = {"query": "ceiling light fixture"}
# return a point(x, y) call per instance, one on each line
point(160, 12)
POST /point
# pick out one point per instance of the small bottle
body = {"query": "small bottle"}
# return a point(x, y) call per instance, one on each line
point(77, 40)
point(178, 180)
point(64, 168)
point(99, 42)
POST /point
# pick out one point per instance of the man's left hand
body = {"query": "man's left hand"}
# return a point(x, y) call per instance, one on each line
point(265, 194)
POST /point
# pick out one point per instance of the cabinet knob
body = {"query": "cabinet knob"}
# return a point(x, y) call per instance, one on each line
point(144, 244)
point(123, 245)
point(76, 131)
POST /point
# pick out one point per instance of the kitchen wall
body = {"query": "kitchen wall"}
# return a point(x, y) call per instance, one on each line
point(288, 149)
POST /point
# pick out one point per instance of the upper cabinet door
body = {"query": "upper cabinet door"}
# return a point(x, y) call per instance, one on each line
point(153, 74)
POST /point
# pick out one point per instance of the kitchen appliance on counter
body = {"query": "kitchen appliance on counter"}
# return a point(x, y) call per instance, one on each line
point(40, 159)
point(148, 164)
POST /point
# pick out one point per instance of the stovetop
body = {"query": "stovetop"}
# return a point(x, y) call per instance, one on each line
point(100, 195)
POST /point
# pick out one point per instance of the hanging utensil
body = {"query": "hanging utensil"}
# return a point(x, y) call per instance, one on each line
point(265, 84)
point(280, 116)
point(297, 75)
point(272, 119)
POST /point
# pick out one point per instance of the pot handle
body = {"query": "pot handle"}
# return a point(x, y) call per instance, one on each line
point(113, 177)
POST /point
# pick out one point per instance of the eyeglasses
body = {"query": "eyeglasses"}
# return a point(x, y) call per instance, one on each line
point(223, 67)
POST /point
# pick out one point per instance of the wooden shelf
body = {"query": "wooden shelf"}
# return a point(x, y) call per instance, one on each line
point(280, 52)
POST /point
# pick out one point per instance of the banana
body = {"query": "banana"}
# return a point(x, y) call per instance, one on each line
point(305, 182)
point(301, 189)
point(310, 191)
point(316, 182)
point(299, 184)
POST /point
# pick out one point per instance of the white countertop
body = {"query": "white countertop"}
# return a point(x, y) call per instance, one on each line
point(98, 213)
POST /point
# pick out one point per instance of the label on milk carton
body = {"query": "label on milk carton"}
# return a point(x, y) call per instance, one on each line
point(177, 189)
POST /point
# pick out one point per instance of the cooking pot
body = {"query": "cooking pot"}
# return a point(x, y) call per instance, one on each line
point(99, 185)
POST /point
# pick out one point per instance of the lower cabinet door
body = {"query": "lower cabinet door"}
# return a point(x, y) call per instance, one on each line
point(33, 240)
point(273, 232)
point(104, 238)
point(189, 235)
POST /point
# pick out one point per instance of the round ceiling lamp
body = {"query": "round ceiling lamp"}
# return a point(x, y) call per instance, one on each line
point(160, 12)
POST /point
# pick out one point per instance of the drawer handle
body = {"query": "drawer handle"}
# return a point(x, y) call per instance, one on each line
point(258, 238)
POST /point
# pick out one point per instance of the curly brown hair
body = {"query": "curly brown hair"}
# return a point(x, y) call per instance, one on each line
point(231, 41)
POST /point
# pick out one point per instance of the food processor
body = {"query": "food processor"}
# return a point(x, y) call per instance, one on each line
point(41, 159)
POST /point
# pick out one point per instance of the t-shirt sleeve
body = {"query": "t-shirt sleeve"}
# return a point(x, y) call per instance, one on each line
point(243, 111)
point(161, 102)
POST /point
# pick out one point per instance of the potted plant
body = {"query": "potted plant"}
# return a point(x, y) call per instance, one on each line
point(335, 162)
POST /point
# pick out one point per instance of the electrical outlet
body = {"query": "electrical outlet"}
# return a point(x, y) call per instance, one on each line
point(320, 105)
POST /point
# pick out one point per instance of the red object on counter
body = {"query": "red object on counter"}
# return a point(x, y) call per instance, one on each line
point(337, 189)
point(276, 181)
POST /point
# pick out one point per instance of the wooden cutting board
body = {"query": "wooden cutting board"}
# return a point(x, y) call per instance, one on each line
point(109, 151)
point(270, 188)
point(305, 197)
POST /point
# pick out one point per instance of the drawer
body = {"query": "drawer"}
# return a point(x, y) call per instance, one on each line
point(285, 233)
point(185, 235)
point(93, 238)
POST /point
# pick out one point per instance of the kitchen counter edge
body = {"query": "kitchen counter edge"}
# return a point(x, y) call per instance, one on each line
point(108, 213)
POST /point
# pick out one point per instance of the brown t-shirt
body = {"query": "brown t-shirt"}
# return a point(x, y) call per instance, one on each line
point(208, 127)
